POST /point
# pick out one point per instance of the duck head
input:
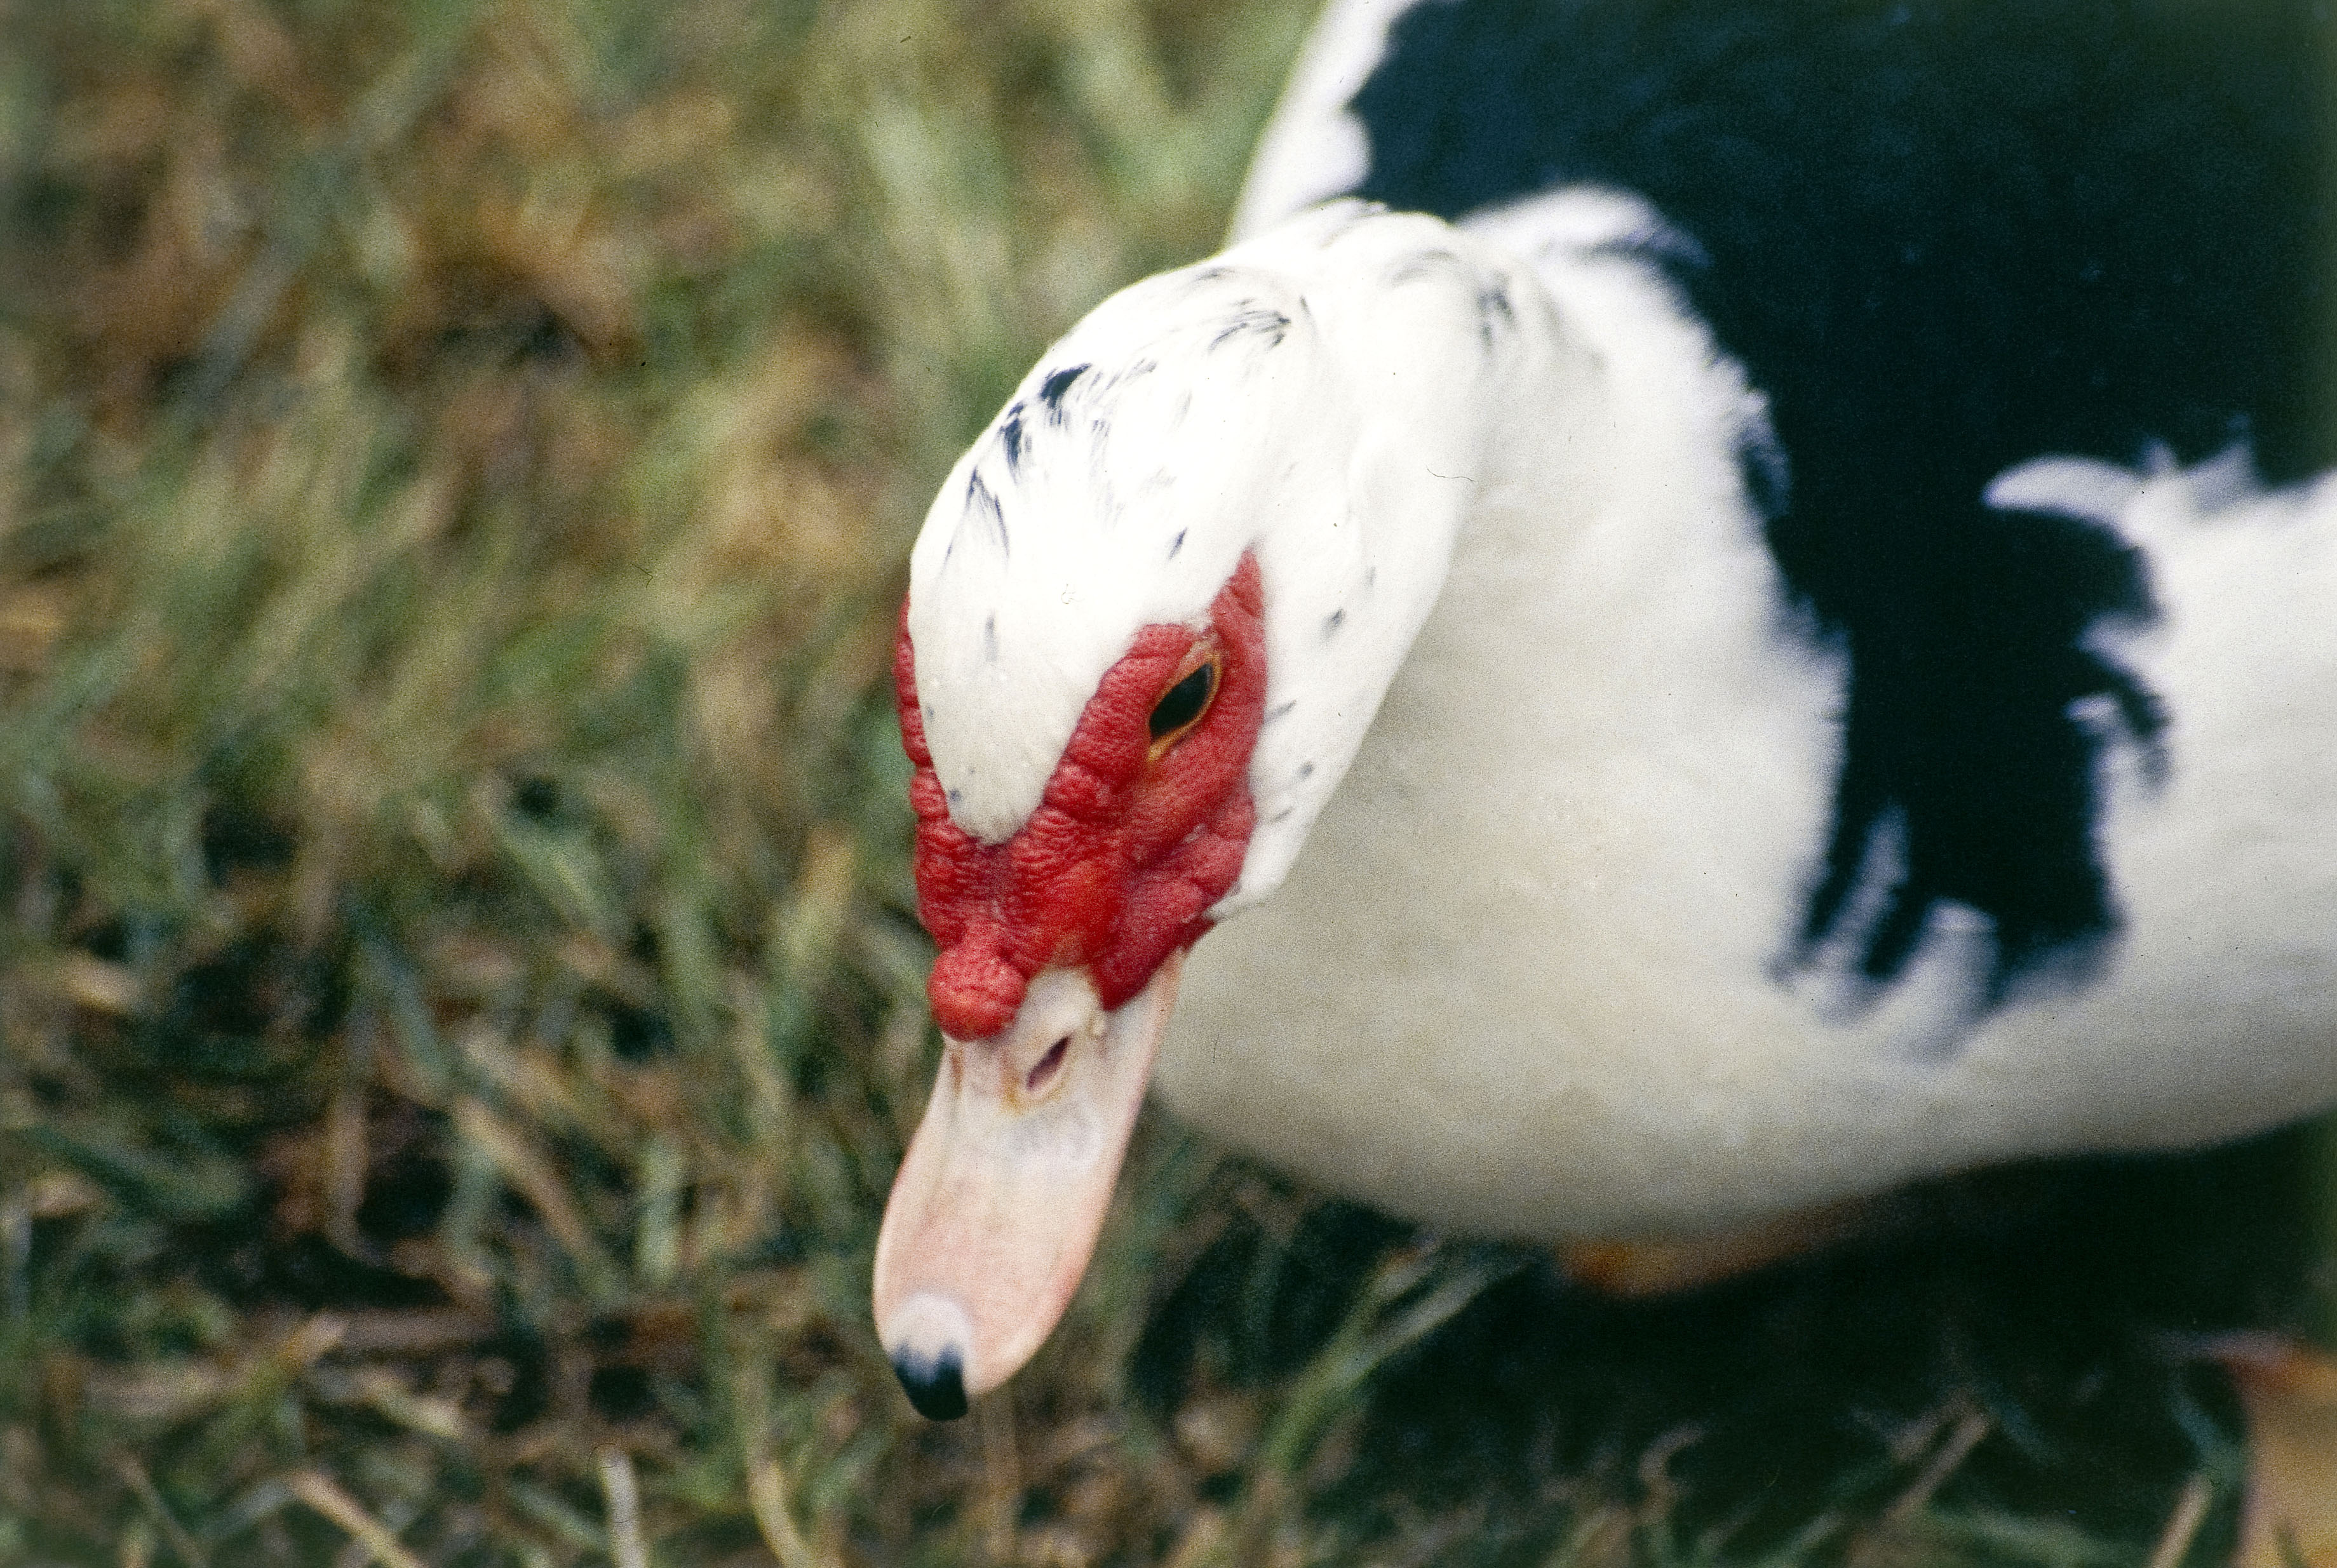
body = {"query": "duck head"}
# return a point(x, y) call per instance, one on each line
point(1150, 619)
point(1060, 951)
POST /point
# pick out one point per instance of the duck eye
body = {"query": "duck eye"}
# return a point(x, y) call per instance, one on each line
point(1184, 702)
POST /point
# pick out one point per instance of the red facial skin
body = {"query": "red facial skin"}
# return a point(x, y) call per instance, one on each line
point(1132, 840)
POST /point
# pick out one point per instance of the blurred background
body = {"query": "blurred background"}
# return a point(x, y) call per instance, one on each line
point(461, 990)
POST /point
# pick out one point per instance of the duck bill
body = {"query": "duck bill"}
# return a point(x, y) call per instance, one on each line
point(996, 1208)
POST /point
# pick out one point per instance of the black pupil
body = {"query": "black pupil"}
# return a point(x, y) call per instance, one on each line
point(1181, 704)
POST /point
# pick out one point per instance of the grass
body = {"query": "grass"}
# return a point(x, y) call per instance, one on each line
point(461, 994)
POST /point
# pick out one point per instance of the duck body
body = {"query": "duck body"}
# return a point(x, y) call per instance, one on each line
point(1887, 799)
point(1766, 635)
point(1540, 971)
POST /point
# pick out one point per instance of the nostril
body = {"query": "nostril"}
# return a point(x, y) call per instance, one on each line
point(1043, 1071)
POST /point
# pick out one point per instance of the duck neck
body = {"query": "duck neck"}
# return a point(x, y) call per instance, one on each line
point(1448, 387)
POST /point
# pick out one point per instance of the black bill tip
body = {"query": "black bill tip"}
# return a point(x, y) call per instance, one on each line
point(936, 1387)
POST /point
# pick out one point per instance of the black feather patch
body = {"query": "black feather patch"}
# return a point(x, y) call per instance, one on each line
point(1943, 237)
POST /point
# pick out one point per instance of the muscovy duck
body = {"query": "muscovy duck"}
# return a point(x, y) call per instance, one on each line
point(1728, 603)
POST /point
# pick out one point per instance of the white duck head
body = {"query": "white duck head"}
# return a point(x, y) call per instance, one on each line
point(1150, 619)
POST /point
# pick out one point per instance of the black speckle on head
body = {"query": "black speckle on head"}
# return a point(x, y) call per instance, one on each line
point(937, 1387)
point(1252, 319)
point(990, 638)
point(957, 797)
point(1306, 771)
point(1057, 387)
point(1010, 439)
point(983, 515)
point(1176, 544)
point(1333, 621)
point(1283, 815)
point(1280, 710)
